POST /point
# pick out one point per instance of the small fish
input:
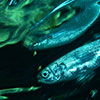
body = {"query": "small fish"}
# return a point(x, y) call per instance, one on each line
point(78, 64)
point(73, 28)
point(13, 2)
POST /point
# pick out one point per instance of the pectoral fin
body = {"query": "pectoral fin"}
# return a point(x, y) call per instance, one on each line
point(83, 78)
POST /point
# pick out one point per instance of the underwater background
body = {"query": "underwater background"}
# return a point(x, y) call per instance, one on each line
point(19, 65)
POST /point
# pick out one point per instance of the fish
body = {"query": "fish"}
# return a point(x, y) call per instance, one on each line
point(73, 28)
point(79, 64)
point(13, 2)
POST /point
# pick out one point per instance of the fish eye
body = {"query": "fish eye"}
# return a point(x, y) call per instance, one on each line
point(45, 74)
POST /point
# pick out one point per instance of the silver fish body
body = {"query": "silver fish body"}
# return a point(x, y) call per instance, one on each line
point(78, 64)
point(72, 29)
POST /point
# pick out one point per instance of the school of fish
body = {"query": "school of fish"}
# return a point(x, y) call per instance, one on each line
point(80, 63)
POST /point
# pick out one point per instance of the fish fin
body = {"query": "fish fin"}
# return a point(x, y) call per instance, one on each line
point(83, 78)
point(96, 36)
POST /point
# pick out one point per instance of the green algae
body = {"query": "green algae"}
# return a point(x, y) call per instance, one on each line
point(17, 19)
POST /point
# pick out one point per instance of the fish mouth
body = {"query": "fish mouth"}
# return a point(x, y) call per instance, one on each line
point(39, 79)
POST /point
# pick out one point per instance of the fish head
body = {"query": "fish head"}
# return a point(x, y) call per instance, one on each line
point(49, 75)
